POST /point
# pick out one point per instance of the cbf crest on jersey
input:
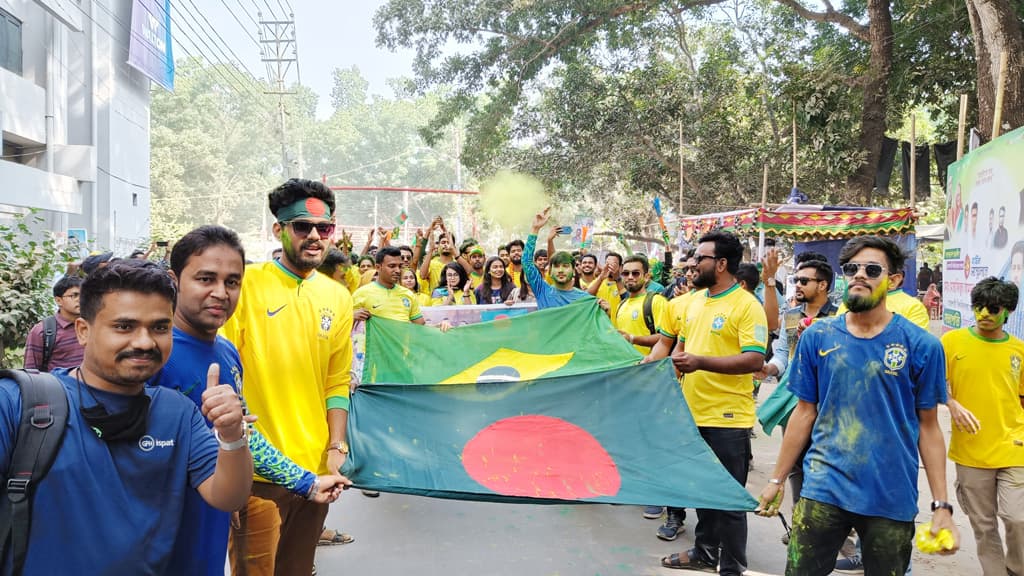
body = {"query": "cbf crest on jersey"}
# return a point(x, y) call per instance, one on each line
point(406, 302)
point(1015, 366)
point(718, 323)
point(895, 358)
point(326, 321)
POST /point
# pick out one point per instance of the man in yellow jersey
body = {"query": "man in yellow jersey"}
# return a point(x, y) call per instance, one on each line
point(515, 264)
point(986, 403)
point(386, 297)
point(292, 329)
point(608, 285)
point(721, 344)
point(637, 315)
point(476, 257)
point(587, 270)
point(899, 302)
point(431, 267)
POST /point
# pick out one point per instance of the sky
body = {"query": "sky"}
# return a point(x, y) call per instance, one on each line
point(330, 35)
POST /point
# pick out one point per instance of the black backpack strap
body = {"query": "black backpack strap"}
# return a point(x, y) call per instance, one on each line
point(44, 416)
point(649, 313)
point(49, 341)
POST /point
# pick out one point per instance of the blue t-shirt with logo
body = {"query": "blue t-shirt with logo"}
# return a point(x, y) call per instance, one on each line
point(863, 456)
point(111, 508)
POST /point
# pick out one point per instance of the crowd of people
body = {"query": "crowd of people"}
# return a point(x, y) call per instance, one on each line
point(156, 358)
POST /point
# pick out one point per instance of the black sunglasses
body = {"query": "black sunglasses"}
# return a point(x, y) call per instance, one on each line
point(872, 270)
point(303, 228)
point(632, 273)
point(992, 309)
point(803, 281)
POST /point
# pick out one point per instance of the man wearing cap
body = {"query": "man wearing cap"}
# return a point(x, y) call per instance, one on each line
point(292, 330)
point(476, 260)
point(95, 261)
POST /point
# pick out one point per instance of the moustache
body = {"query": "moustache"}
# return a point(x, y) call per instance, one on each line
point(143, 354)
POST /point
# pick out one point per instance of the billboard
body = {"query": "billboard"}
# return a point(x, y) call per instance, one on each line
point(984, 231)
point(149, 50)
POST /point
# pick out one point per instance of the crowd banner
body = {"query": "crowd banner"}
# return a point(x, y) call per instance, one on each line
point(550, 407)
point(984, 227)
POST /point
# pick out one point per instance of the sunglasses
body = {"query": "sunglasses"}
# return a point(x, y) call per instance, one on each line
point(872, 270)
point(992, 309)
point(632, 273)
point(802, 281)
point(303, 228)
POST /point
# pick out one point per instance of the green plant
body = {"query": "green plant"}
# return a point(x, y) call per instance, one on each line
point(29, 261)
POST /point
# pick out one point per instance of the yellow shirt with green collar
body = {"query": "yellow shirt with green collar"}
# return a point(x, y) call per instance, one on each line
point(630, 317)
point(670, 323)
point(475, 279)
point(725, 324)
point(294, 339)
point(987, 378)
point(899, 302)
point(609, 292)
point(395, 303)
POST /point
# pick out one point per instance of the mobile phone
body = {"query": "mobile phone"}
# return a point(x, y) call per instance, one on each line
point(565, 229)
point(161, 242)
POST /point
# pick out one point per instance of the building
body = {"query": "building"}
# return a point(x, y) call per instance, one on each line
point(74, 117)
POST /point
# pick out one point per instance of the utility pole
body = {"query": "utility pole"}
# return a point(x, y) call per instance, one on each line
point(279, 52)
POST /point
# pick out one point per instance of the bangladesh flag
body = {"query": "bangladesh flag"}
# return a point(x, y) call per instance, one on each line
point(401, 218)
point(548, 407)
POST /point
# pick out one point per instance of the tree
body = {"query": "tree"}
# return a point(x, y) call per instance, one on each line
point(998, 26)
point(28, 266)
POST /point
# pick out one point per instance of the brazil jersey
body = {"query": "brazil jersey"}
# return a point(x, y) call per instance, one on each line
point(985, 376)
point(725, 324)
point(609, 292)
point(475, 279)
point(670, 323)
point(899, 302)
point(630, 317)
point(352, 279)
point(294, 338)
point(396, 303)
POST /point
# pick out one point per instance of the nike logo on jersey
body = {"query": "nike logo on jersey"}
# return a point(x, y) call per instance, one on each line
point(824, 353)
point(375, 306)
point(272, 313)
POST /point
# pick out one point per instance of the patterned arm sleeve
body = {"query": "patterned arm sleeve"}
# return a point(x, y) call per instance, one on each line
point(271, 464)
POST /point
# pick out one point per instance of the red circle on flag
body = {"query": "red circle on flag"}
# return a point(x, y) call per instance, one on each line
point(316, 207)
point(540, 457)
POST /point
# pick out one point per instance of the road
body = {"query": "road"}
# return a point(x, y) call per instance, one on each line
point(398, 535)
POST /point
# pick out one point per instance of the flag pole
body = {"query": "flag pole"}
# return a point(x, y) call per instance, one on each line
point(961, 127)
point(997, 118)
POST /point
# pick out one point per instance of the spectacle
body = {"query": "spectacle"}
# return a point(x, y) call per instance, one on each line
point(802, 281)
point(872, 270)
point(704, 257)
point(992, 309)
point(303, 228)
point(632, 273)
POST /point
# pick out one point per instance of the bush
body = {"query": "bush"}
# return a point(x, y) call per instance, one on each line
point(28, 267)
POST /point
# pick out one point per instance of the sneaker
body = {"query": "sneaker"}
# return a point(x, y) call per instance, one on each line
point(850, 565)
point(653, 512)
point(670, 530)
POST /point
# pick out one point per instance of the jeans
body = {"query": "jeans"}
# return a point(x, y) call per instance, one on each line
point(721, 536)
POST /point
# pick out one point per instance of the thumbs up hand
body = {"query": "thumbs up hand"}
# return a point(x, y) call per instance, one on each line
point(223, 407)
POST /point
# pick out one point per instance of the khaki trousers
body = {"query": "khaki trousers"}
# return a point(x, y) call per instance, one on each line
point(985, 496)
point(278, 533)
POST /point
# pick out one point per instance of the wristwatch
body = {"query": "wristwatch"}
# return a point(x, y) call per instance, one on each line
point(339, 446)
point(770, 282)
point(936, 504)
point(230, 446)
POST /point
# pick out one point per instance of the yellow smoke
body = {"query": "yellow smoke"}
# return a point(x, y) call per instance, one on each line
point(511, 200)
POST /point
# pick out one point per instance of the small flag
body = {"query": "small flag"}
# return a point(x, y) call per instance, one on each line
point(402, 218)
point(395, 232)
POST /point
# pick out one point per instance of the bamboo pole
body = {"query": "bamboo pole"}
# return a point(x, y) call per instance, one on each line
point(913, 159)
point(764, 187)
point(794, 144)
point(997, 118)
point(682, 170)
point(764, 202)
point(961, 127)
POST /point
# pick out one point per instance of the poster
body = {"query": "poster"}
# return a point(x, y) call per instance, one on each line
point(149, 49)
point(984, 232)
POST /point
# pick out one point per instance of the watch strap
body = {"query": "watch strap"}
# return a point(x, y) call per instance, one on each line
point(231, 446)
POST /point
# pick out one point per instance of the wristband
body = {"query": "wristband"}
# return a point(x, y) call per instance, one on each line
point(775, 481)
point(231, 446)
point(936, 504)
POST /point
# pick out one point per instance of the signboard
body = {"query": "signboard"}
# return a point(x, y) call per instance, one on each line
point(78, 242)
point(984, 228)
point(149, 50)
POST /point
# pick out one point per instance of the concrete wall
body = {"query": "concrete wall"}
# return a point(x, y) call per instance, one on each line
point(100, 139)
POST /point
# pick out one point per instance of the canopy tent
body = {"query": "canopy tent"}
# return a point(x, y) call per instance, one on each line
point(804, 223)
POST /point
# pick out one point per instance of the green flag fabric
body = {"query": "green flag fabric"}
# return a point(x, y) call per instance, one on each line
point(550, 407)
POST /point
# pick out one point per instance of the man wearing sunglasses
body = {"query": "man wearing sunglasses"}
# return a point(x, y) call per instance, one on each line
point(292, 329)
point(720, 345)
point(986, 405)
point(864, 380)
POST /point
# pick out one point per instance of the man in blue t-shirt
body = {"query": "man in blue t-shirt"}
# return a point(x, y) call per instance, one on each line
point(561, 269)
point(113, 500)
point(208, 264)
point(864, 380)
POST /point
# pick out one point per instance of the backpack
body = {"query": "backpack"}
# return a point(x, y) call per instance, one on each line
point(49, 341)
point(648, 312)
point(44, 418)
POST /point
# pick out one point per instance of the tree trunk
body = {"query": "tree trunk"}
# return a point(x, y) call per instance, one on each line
point(996, 28)
point(876, 96)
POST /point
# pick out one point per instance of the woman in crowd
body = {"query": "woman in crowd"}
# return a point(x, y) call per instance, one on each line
point(497, 286)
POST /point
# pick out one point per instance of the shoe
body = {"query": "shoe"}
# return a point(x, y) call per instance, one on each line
point(688, 561)
point(371, 493)
point(850, 565)
point(653, 512)
point(670, 530)
point(785, 539)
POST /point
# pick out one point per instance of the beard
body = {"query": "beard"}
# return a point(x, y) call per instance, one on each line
point(517, 260)
point(855, 303)
point(296, 257)
point(802, 297)
point(704, 279)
